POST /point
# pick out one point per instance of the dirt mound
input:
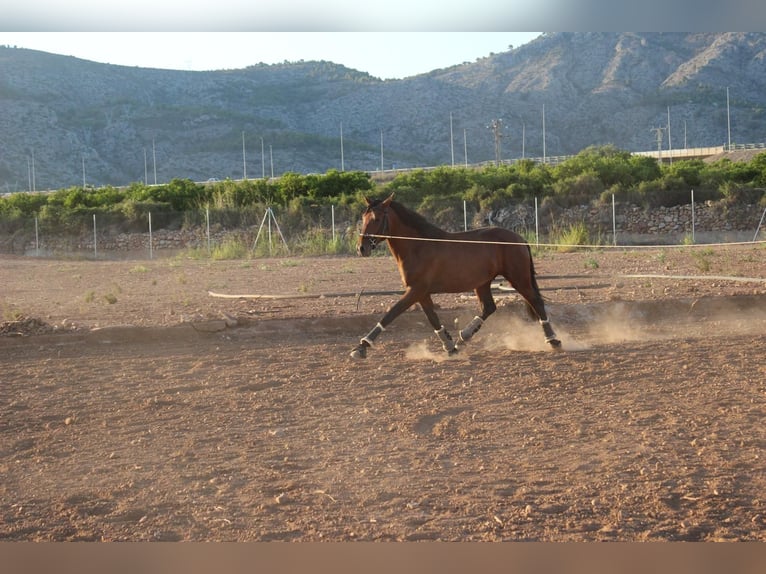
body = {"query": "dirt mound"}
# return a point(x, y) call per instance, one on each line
point(24, 326)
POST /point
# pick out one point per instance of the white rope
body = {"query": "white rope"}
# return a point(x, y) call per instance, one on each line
point(561, 245)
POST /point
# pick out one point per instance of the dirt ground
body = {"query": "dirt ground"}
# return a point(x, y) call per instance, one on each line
point(135, 406)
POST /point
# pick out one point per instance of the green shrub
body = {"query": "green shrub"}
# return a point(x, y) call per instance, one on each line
point(569, 237)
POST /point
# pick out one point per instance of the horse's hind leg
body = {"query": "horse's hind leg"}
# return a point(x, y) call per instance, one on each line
point(487, 304)
point(428, 308)
point(531, 294)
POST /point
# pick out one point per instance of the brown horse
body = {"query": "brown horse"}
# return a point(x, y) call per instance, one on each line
point(432, 260)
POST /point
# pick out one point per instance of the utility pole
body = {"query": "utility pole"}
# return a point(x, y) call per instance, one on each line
point(465, 146)
point(497, 131)
point(670, 146)
point(545, 157)
point(523, 140)
point(728, 120)
point(244, 158)
point(154, 161)
point(451, 140)
point(658, 131)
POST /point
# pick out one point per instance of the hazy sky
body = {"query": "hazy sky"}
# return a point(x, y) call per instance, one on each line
point(386, 38)
point(382, 54)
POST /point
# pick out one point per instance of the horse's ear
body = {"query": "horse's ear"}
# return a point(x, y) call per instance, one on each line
point(368, 201)
point(388, 200)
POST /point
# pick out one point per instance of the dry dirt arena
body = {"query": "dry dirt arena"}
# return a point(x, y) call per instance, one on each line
point(135, 406)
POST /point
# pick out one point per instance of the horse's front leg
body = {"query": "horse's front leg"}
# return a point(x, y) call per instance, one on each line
point(488, 306)
point(404, 303)
point(428, 308)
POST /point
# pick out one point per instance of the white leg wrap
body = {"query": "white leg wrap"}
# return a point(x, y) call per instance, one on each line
point(370, 337)
point(470, 330)
point(550, 335)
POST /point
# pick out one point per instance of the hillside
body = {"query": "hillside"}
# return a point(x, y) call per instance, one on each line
point(596, 88)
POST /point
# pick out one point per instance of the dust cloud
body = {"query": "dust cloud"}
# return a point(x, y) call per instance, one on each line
point(587, 327)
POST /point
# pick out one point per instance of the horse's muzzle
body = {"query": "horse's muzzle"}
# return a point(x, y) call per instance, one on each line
point(366, 246)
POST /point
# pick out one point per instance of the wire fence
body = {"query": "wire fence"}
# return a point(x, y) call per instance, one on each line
point(320, 230)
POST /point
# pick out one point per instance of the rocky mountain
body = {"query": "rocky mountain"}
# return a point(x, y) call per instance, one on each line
point(61, 116)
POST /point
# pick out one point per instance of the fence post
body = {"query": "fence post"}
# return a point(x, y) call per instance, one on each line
point(614, 222)
point(151, 252)
point(693, 222)
point(465, 216)
point(207, 227)
point(757, 229)
point(537, 228)
point(333, 223)
point(95, 246)
point(37, 239)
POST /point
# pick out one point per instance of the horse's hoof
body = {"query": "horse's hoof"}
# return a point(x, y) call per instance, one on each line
point(452, 352)
point(359, 353)
point(555, 343)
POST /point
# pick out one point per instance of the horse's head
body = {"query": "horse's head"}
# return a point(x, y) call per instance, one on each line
point(374, 225)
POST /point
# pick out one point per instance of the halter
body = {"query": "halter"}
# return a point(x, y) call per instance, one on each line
point(382, 231)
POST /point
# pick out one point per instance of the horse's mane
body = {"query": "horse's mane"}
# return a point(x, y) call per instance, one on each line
point(416, 221)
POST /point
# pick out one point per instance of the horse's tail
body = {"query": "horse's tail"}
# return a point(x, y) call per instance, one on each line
point(535, 286)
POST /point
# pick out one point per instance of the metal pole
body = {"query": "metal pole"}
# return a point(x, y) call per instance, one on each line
point(279, 231)
point(151, 253)
point(333, 223)
point(693, 222)
point(670, 145)
point(260, 228)
point(381, 150)
point(451, 140)
point(207, 225)
point(37, 239)
point(465, 147)
point(523, 140)
point(244, 158)
point(465, 216)
point(614, 222)
point(497, 132)
point(95, 247)
point(270, 216)
point(263, 162)
point(154, 161)
point(756, 230)
point(544, 150)
point(728, 120)
point(537, 228)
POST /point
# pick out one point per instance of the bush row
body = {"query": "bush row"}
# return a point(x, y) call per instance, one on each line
point(595, 175)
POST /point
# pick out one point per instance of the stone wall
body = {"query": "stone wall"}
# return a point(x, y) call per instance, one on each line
point(715, 217)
